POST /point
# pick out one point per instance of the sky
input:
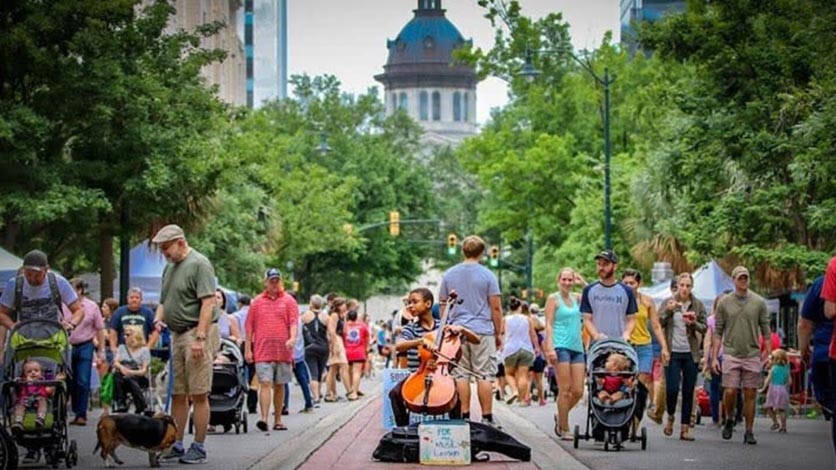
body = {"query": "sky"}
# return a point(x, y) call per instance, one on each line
point(347, 38)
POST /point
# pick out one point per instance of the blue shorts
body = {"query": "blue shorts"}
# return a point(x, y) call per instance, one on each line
point(645, 353)
point(567, 355)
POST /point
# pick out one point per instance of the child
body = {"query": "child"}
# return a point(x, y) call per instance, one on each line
point(778, 381)
point(31, 395)
point(613, 386)
point(131, 366)
point(419, 305)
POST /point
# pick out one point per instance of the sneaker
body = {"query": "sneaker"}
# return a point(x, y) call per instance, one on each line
point(194, 455)
point(308, 409)
point(749, 438)
point(32, 456)
point(511, 398)
point(728, 429)
point(173, 454)
point(492, 422)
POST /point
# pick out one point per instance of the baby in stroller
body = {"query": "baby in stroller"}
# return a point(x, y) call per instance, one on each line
point(31, 395)
point(613, 386)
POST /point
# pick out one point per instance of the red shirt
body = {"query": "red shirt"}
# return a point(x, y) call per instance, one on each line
point(828, 293)
point(355, 337)
point(268, 327)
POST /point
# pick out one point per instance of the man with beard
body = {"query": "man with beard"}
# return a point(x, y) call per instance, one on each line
point(608, 306)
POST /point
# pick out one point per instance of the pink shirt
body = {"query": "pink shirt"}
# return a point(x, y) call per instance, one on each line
point(268, 327)
point(91, 323)
point(355, 338)
point(828, 293)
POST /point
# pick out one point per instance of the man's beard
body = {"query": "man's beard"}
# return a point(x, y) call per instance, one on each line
point(604, 273)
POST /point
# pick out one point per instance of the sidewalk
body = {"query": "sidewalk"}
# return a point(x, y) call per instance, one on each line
point(352, 445)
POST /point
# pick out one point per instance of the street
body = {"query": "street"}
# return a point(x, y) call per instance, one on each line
point(805, 446)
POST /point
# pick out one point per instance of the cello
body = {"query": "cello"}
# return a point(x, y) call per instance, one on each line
point(431, 389)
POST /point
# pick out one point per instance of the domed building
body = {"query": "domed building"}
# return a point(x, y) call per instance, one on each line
point(421, 78)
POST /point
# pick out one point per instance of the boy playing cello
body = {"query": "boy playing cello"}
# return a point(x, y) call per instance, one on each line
point(419, 304)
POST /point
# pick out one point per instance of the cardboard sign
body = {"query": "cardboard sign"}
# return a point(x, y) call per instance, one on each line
point(391, 377)
point(444, 443)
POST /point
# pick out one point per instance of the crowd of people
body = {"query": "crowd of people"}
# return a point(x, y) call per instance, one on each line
point(730, 342)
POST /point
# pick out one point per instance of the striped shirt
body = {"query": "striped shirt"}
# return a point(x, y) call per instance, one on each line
point(268, 327)
point(415, 330)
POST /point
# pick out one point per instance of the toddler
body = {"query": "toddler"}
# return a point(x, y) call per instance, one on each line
point(31, 395)
point(613, 386)
point(778, 381)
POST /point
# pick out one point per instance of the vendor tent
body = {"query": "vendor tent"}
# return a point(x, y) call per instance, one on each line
point(9, 264)
point(709, 281)
point(146, 269)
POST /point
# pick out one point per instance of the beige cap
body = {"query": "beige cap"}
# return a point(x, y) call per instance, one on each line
point(168, 233)
point(739, 271)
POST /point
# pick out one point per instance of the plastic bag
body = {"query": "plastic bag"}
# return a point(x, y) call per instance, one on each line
point(106, 390)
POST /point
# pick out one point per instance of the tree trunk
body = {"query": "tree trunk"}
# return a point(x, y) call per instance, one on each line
point(106, 260)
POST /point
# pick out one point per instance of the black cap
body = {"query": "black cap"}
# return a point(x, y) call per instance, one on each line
point(608, 255)
point(271, 273)
point(36, 260)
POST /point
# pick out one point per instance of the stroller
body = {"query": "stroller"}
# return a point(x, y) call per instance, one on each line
point(610, 422)
point(46, 342)
point(229, 390)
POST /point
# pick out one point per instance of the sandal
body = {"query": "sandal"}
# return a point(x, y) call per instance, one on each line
point(557, 431)
point(279, 427)
point(40, 421)
point(668, 431)
point(329, 400)
point(685, 436)
point(261, 425)
point(775, 427)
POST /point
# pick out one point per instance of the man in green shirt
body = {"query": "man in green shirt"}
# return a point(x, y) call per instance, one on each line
point(738, 317)
point(187, 301)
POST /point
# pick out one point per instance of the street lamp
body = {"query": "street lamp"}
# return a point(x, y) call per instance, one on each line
point(530, 73)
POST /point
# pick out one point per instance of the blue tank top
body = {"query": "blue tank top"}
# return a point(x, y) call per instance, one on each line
point(566, 327)
point(780, 374)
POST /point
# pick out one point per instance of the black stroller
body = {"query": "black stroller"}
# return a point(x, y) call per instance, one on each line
point(611, 422)
point(46, 342)
point(229, 390)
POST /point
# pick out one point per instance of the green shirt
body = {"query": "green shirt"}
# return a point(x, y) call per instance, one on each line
point(184, 285)
point(737, 321)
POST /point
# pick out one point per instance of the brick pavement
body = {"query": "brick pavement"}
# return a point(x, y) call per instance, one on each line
point(351, 447)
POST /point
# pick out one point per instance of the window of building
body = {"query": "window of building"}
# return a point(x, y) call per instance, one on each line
point(436, 106)
point(466, 108)
point(457, 106)
point(394, 102)
point(424, 106)
point(403, 103)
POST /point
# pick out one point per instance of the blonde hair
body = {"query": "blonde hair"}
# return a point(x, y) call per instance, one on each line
point(779, 356)
point(560, 273)
point(137, 337)
point(619, 360)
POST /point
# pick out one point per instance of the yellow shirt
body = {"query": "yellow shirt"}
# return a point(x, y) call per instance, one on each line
point(641, 332)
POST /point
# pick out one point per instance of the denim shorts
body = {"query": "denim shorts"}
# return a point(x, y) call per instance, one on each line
point(570, 356)
point(645, 353)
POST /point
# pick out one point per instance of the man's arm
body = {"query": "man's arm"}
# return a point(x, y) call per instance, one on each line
point(628, 328)
point(5, 320)
point(765, 330)
point(207, 304)
point(590, 326)
point(496, 317)
point(78, 313)
point(830, 309)
point(114, 342)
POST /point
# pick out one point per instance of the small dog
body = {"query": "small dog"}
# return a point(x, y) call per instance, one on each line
point(153, 435)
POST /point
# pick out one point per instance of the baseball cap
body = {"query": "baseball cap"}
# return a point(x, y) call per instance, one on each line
point(168, 233)
point(608, 255)
point(739, 271)
point(35, 260)
point(271, 273)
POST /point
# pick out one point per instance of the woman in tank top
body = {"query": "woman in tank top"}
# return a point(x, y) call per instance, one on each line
point(646, 318)
point(564, 347)
point(519, 347)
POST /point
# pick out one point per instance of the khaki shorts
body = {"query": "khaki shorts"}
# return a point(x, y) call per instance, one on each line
point(193, 376)
point(741, 372)
point(480, 358)
point(521, 358)
point(276, 373)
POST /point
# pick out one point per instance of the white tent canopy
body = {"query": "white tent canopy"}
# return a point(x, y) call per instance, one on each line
point(9, 264)
point(709, 281)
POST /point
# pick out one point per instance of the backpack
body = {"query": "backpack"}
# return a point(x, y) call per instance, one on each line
point(53, 289)
point(401, 444)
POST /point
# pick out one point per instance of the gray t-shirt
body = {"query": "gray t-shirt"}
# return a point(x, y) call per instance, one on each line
point(135, 359)
point(609, 306)
point(679, 339)
point(37, 300)
point(474, 284)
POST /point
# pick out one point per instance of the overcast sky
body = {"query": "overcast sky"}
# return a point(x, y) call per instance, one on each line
point(347, 38)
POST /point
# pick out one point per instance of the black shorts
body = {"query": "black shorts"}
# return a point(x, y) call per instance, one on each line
point(539, 365)
point(317, 364)
point(500, 370)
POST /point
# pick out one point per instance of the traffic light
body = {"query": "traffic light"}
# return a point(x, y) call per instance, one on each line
point(394, 223)
point(452, 242)
point(494, 256)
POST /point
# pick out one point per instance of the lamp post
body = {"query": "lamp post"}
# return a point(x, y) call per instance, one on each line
point(530, 73)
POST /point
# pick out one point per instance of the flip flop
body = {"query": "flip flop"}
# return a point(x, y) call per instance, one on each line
point(261, 425)
point(279, 427)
